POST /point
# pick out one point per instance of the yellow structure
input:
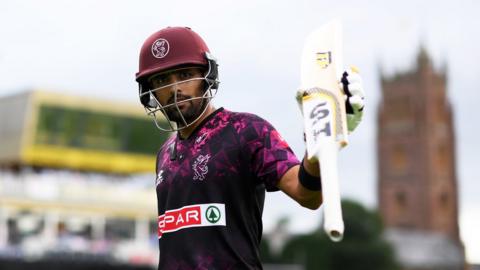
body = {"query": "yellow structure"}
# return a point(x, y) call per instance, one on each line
point(47, 129)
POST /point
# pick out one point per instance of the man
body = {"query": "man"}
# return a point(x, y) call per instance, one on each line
point(213, 173)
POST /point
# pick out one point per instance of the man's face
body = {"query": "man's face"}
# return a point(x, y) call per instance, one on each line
point(181, 84)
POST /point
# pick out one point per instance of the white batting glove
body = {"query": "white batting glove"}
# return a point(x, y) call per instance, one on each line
point(352, 87)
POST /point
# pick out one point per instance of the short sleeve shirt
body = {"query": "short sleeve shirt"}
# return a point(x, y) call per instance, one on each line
point(211, 189)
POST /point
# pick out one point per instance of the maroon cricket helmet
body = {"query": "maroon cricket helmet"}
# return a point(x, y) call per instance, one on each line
point(169, 48)
point(172, 48)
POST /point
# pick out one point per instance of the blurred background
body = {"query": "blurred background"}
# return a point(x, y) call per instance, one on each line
point(77, 154)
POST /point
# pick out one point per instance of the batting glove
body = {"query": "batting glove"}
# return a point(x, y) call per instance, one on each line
point(352, 87)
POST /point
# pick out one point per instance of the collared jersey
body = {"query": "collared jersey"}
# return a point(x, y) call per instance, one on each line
point(211, 190)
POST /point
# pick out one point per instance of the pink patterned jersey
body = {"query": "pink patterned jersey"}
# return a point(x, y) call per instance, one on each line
point(211, 189)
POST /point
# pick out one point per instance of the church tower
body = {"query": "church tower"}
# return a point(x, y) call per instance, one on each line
point(417, 186)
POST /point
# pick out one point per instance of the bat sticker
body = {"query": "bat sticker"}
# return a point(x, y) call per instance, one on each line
point(324, 59)
point(319, 115)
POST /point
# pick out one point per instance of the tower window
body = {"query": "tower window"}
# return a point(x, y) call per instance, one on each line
point(400, 200)
point(444, 200)
point(399, 159)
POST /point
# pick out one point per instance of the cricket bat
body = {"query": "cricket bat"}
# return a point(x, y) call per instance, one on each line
point(324, 115)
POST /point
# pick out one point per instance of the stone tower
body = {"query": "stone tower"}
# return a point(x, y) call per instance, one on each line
point(417, 185)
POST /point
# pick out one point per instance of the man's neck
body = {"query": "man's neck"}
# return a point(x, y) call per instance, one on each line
point(186, 132)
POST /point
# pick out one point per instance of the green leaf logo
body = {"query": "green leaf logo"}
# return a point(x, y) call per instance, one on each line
point(213, 214)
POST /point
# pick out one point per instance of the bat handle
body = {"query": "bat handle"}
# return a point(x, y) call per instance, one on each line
point(332, 210)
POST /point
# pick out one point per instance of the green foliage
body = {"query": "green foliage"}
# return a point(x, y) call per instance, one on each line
point(360, 223)
point(310, 250)
point(362, 247)
point(265, 252)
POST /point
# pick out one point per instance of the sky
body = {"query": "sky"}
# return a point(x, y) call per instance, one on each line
point(90, 48)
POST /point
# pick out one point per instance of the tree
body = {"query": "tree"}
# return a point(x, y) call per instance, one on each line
point(362, 247)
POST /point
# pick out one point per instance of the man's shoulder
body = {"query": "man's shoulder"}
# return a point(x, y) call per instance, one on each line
point(244, 117)
point(168, 142)
point(248, 124)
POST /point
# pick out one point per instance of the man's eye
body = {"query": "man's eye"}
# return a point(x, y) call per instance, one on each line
point(159, 81)
point(186, 75)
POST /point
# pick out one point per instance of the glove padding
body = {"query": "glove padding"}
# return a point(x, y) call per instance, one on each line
point(352, 87)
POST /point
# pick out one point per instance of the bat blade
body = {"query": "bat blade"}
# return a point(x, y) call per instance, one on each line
point(321, 68)
point(324, 116)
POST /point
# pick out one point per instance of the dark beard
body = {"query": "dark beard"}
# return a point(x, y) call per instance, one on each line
point(193, 112)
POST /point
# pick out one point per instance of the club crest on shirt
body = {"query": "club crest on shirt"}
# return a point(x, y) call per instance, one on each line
point(200, 168)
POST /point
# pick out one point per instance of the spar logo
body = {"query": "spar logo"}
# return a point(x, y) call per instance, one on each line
point(213, 214)
point(198, 215)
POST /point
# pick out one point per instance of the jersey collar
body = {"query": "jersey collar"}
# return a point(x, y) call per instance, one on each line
point(197, 128)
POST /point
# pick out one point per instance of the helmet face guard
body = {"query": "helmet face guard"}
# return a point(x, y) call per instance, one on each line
point(153, 107)
point(167, 50)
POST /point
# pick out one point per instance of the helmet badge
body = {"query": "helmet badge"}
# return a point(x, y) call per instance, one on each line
point(160, 48)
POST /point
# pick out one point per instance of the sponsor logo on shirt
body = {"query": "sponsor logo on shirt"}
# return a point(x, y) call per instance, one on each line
point(198, 215)
point(201, 138)
point(159, 179)
point(200, 168)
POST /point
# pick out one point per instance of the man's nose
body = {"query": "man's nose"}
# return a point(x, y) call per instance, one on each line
point(175, 84)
